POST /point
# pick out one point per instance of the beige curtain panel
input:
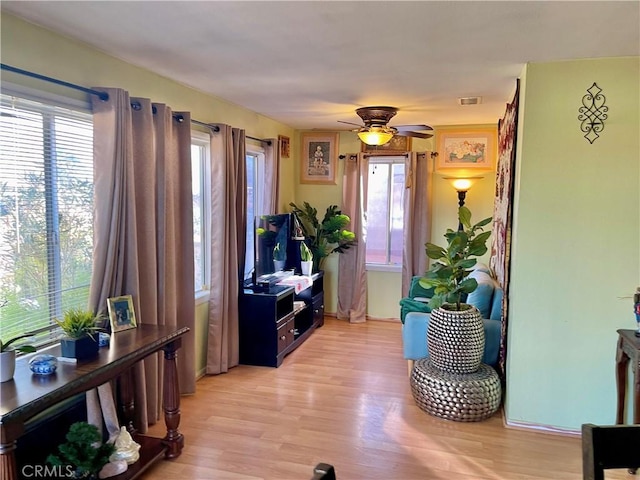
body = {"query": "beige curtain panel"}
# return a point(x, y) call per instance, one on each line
point(352, 273)
point(228, 220)
point(143, 234)
point(418, 195)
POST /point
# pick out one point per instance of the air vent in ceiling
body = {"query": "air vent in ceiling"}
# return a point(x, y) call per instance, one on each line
point(470, 100)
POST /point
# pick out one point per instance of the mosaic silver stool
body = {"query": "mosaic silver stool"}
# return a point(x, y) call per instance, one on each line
point(463, 397)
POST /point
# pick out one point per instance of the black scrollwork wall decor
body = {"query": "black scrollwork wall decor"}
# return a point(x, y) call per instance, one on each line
point(593, 113)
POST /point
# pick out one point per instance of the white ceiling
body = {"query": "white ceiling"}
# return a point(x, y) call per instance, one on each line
point(309, 64)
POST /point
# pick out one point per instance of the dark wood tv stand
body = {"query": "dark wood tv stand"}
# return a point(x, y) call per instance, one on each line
point(271, 326)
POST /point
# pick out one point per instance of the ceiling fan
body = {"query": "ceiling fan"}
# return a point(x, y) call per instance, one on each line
point(375, 130)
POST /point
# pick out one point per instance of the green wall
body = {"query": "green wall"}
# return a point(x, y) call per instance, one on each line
point(576, 244)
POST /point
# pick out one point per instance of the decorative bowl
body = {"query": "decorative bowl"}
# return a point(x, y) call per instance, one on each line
point(43, 364)
point(104, 339)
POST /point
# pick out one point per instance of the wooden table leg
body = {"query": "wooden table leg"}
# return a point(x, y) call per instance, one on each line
point(171, 401)
point(622, 363)
point(127, 406)
point(8, 465)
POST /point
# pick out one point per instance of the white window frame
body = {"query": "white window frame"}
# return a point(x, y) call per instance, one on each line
point(386, 160)
point(203, 141)
point(256, 151)
point(46, 335)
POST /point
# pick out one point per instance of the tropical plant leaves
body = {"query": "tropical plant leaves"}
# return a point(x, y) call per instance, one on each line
point(448, 275)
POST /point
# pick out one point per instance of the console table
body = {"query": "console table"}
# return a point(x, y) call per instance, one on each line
point(28, 395)
point(628, 349)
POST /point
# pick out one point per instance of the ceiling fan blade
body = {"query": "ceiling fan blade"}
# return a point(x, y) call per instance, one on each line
point(404, 128)
point(351, 123)
point(416, 134)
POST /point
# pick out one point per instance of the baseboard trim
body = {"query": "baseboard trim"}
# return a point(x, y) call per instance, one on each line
point(539, 428)
point(378, 319)
point(369, 317)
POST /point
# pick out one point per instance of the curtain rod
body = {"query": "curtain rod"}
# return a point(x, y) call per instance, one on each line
point(352, 156)
point(104, 96)
point(215, 128)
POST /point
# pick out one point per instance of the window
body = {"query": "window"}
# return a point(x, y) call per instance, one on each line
point(255, 192)
point(200, 168)
point(385, 209)
point(46, 214)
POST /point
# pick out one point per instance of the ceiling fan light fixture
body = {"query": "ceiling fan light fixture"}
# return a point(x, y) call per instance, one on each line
point(375, 136)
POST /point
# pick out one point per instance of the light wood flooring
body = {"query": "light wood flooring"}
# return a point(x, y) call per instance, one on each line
point(343, 397)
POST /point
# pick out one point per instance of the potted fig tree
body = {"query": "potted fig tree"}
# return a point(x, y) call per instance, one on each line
point(79, 327)
point(456, 332)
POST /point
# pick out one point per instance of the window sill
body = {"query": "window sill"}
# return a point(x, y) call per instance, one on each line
point(374, 267)
point(202, 297)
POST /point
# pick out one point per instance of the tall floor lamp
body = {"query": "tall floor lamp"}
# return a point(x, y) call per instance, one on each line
point(462, 186)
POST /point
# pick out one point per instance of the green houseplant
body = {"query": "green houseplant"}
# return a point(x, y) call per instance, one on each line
point(6, 346)
point(83, 451)
point(327, 236)
point(448, 275)
point(8, 355)
point(79, 327)
point(306, 259)
point(279, 257)
point(455, 334)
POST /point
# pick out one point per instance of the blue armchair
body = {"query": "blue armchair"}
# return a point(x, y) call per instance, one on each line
point(487, 298)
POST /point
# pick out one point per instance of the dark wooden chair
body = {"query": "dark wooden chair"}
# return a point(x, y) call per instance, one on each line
point(605, 447)
point(324, 471)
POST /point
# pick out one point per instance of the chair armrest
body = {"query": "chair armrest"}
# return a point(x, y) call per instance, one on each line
point(492, 335)
point(414, 335)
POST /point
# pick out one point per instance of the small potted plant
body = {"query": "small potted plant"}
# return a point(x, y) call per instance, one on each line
point(279, 257)
point(8, 355)
point(306, 259)
point(79, 327)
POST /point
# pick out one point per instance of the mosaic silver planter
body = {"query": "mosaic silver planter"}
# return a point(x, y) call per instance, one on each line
point(456, 339)
point(469, 397)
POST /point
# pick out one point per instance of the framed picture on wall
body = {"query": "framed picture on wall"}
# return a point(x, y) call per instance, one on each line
point(121, 314)
point(397, 144)
point(285, 146)
point(475, 148)
point(319, 158)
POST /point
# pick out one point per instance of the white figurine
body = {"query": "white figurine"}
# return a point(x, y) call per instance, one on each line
point(126, 448)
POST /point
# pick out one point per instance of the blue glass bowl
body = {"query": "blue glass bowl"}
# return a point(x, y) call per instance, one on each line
point(104, 339)
point(43, 364)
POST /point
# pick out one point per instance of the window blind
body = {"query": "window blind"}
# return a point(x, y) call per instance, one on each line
point(46, 215)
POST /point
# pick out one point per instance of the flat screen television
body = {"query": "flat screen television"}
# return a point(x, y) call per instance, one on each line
point(276, 245)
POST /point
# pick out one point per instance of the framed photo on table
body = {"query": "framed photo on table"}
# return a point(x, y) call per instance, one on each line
point(319, 158)
point(474, 148)
point(397, 144)
point(121, 313)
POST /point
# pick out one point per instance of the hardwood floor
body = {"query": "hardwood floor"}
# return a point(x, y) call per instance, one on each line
point(343, 398)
